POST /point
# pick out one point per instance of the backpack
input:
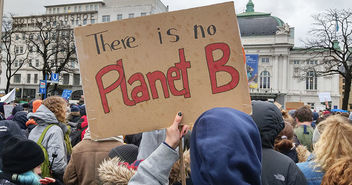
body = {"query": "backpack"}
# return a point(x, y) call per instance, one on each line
point(75, 135)
point(46, 165)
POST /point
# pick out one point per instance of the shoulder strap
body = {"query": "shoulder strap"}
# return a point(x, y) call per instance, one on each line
point(40, 140)
point(45, 165)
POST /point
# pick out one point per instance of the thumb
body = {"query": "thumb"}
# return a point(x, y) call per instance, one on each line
point(177, 120)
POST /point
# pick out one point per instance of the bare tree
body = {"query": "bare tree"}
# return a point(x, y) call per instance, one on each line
point(331, 39)
point(15, 56)
point(53, 42)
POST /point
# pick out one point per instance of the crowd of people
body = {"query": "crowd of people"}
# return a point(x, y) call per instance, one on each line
point(49, 142)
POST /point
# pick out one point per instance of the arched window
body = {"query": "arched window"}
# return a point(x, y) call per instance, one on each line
point(265, 80)
point(311, 81)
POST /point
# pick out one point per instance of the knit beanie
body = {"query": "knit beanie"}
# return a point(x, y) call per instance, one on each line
point(126, 152)
point(21, 155)
point(36, 105)
point(75, 108)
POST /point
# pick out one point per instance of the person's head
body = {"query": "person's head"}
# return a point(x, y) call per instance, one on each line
point(303, 114)
point(269, 121)
point(21, 155)
point(36, 105)
point(82, 110)
point(339, 173)
point(335, 141)
point(21, 118)
point(225, 148)
point(57, 105)
point(16, 109)
point(283, 141)
point(127, 152)
point(75, 108)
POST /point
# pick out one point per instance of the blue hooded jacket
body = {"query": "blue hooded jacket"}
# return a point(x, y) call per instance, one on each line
point(225, 148)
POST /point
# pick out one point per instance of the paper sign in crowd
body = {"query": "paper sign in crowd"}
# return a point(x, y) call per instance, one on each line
point(138, 73)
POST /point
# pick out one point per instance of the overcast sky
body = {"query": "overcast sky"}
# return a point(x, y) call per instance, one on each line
point(297, 13)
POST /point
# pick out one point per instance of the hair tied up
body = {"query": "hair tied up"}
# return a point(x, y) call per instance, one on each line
point(283, 137)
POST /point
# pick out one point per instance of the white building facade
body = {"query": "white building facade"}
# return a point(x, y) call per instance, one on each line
point(70, 15)
point(280, 64)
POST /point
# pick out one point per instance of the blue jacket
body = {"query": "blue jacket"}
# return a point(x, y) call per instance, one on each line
point(313, 175)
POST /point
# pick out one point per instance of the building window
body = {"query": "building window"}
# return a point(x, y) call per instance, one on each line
point(265, 60)
point(17, 37)
point(96, 7)
point(119, 16)
point(84, 21)
point(143, 13)
point(91, 7)
point(87, 7)
point(77, 23)
point(16, 63)
point(28, 78)
point(17, 78)
point(17, 49)
point(69, 9)
point(75, 8)
point(296, 71)
point(106, 18)
point(92, 21)
point(37, 63)
point(311, 81)
point(73, 65)
point(54, 10)
point(28, 93)
point(65, 9)
point(265, 80)
point(58, 10)
point(66, 79)
point(131, 15)
point(35, 78)
point(49, 10)
point(79, 8)
point(296, 62)
point(76, 79)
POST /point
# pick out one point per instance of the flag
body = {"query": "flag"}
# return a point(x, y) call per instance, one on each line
point(9, 97)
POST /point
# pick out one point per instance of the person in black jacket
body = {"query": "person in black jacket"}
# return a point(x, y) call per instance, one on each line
point(276, 167)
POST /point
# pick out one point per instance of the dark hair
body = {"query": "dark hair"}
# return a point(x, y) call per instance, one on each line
point(304, 114)
point(283, 141)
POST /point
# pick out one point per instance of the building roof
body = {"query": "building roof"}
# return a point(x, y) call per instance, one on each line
point(76, 2)
point(253, 23)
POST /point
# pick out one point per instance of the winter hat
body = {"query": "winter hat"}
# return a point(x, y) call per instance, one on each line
point(21, 155)
point(126, 152)
point(75, 108)
point(21, 119)
point(82, 110)
point(36, 105)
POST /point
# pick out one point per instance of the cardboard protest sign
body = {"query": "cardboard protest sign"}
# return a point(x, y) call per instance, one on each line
point(138, 73)
point(324, 96)
point(293, 105)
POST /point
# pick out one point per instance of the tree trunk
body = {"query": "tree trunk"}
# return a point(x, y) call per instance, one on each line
point(346, 94)
point(7, 86)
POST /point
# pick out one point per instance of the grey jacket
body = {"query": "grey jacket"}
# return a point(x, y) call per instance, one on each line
point(156, 168)
point(53, 141)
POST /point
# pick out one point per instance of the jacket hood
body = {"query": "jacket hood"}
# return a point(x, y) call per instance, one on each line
point(17, 109)
point(113, 171)
point(43, 115)
point(269, 121)
point(21, 119)
point(225, 148)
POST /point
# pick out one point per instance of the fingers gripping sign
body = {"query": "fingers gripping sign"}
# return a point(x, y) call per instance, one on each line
point(173, 133)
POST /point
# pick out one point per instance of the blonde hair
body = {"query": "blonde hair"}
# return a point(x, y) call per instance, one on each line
point(340, 173)
point(57, 105)
point(335, 142)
